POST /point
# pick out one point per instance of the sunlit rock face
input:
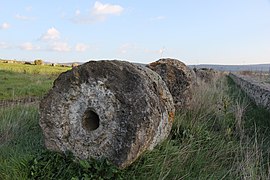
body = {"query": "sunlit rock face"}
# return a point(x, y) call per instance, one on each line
point(112, 109)
point(179, 79)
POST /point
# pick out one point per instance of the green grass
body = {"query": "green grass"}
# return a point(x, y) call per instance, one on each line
point(256, 124)
point(222, 136)
point(19, 85)
point(218, 138)
point(20, 140)
point(21, 81)
point(256, 118)
point(200, 145)
point(33, 69)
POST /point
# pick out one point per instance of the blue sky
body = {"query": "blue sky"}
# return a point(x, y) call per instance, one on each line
point(193, 31)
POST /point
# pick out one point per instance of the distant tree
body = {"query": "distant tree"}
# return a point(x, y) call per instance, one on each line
point(38, 62)
point(26, 62)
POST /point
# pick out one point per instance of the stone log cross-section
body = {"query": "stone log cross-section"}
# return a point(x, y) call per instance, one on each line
point(112, 109)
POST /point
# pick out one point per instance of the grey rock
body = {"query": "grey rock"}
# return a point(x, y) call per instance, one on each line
point(179, 79)
point(112, 109)
point(257, 91)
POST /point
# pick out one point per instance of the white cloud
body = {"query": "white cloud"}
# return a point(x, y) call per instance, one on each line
point(54, 41)
point(5, 25)
point(80, 47)
point(24, 18)
point(99, 12)
point(29, 46)
point(60, 47)
point(51, 34)
point(107, 9)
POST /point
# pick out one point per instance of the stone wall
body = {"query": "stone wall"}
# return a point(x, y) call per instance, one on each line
point(258, 92)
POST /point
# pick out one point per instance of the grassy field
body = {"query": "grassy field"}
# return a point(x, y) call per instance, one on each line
point(19, 85)
point(222, 136)
point(21, 81)
point(33, 69)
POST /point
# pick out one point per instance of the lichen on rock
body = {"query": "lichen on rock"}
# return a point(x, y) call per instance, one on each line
point(178, 77)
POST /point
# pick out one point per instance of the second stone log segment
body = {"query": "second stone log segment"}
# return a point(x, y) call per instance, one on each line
point(179, 79)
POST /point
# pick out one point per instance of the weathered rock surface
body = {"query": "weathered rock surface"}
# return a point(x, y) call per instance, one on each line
point(178, 77)
point(257, 91)
point(111, 109)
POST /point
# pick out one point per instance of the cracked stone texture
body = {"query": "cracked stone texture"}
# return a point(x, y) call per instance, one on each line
point(259, 92)
point(179, 79)
point(134, 107)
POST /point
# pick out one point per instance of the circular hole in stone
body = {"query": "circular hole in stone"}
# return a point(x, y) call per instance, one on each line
point(90, 120)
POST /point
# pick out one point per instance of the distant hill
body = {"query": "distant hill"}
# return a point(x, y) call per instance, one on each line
point(234, 68)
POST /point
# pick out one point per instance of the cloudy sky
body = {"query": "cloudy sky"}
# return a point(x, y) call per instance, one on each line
point(194, 31)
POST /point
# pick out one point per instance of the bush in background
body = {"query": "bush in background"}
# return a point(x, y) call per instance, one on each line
point(38, 62)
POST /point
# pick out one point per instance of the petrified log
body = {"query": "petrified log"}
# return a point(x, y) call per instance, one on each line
point(178, 77)
point(111, 109)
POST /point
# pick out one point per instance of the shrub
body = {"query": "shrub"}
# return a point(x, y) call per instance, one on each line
point(38, 62)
